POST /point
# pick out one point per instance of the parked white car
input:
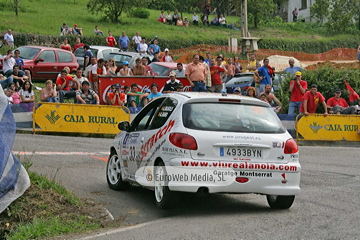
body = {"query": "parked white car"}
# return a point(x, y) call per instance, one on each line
point(208, 143)
point(97, 51)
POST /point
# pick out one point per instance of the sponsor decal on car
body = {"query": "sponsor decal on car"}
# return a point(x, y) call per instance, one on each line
point(174, 151)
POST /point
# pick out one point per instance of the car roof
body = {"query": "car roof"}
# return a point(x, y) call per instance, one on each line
point(102, 47)
point(199, 96)
point(44, 48)
point(129, 53)
point(168, 64)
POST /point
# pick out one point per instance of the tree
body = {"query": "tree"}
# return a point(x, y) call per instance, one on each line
point(112, 9)
point(261, 9)
point(186, 6)
point(320, 10)
point(342, 13)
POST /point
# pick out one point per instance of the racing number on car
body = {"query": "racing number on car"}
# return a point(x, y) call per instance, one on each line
point(257, 109)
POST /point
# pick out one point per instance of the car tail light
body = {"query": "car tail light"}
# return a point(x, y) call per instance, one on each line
point(290, 147)
point(182, 140)
point(241, 179)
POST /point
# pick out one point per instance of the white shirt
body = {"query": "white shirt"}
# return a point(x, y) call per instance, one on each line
point(80, 80)
point(195, 18)
point(9, 37)
point(10, 99)
point(143, 47)
point(87, 70)
point(222, 20)
point(27, 95)
point(8, 64)
point(168, 16)
point(137, 39)
point(180, 74)
point(94, 69)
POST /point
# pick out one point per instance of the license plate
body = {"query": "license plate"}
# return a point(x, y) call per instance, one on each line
point(240, 152)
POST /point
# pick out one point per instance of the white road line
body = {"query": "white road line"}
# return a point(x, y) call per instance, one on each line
point(60, 153)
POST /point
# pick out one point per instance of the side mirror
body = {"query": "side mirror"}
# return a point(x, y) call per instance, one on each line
point(124, 126)
point(39, 60)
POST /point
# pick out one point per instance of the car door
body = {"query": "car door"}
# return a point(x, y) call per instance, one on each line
point(134, 140)
point(45, 66)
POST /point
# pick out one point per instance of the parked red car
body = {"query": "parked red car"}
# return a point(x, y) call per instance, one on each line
point(46, 62)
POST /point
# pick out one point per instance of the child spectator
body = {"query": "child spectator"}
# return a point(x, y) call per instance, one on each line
point(15, 96)
point(154, 92)
point(110, 40)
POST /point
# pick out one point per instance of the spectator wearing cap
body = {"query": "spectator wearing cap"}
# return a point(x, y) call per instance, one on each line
point(135, 98)
point(87, 96)
point(292, 69)
point(154, 47)
point(77, 30)
point(196, 74)
point(195, 19)
point(156, 57)
point(237, 91)
point(116, 97)
point(339, 105)
point(97, 31)
point(142, 47)
point(311, 101)
point(64, 29)
point(126, 71)
point(171, 84)
point(154, 92)
point(297, 88)
point(167, 57)
point(180, 71)
point(148, 69)
point(138, 69)
point(180, 87)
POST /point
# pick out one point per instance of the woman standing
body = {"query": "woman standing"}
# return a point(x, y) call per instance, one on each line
point(48, 94)
point(65, 45)
point(238, 66)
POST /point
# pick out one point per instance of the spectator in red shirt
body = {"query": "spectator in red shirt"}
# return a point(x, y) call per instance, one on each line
point(78, 44)
point(110, 40)
point(117, 98)
point(298, 88)
point(339, 105)
point(63, 86)
point(215, 71)
point(311, 101)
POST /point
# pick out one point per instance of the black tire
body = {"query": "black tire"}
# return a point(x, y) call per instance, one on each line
point(113, 173)
point(164, 198)
point(280, 202)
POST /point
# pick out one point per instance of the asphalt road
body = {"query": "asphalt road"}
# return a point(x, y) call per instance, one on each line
point(327, 208)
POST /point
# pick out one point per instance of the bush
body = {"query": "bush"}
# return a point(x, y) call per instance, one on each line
point(139, 13)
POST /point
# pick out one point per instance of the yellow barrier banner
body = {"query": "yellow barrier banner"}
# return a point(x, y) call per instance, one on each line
point(80, 118)
point(330, 128)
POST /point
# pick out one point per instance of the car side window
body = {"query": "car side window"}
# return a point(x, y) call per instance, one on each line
point(164, 112)
point(106, 53)
point(65, 57)
point(143, 119)
point(79, 52)
point(48, 56)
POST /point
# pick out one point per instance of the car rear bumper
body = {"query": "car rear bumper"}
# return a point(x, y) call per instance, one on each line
point(277, 181)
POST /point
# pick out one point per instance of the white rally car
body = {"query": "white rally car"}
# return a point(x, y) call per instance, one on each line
point(208, 143)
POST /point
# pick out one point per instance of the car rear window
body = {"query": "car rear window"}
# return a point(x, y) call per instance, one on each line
point(28, 52)
point(64, 57)
point(120, 57)
point(160, 70)
point(228, 117)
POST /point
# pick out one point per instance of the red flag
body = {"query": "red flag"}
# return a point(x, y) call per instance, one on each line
point(352, 94)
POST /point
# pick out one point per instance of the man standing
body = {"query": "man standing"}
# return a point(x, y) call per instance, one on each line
point(124, 42)
point(136, 40)
point(207, 60)
point(110, 40)
point(88, 68)
point(167, 57)
point(208, 75)
point(271, 97)
point(263, 74)
point(311, 101)
point(215, 71)
point(292, 69)
point(251, 67)
point(295, 14)
point(171, 84)
point(78, 44)
point(87, 56)
point(180, 71)
point(297, 88)
point(87, 96)
point(116, 97)
point(142, 47)
point(9, 38)
point(339, 105)
point(196, 74)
